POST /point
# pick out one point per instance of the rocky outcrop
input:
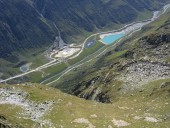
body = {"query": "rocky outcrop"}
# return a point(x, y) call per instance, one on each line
point(156, 39)
point(5, 123)
point(140, 73)
point(84, 85)
point(163, 85)
point(156, 47)
point(91, 90)
point(31, 110)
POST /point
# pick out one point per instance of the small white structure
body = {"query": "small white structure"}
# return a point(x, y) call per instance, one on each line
point(66, 52)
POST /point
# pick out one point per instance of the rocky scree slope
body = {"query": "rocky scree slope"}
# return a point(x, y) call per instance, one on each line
point(31, 110)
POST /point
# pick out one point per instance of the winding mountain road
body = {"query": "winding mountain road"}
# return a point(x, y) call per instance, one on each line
point(136, 26)
point(57, 61)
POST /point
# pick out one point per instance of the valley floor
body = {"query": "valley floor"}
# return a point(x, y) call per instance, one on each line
point(61, 56)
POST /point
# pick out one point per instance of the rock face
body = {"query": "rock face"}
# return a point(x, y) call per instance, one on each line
point(156, 40)
point(90, 91)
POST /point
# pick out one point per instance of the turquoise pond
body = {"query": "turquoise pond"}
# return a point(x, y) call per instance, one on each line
point(112, 38)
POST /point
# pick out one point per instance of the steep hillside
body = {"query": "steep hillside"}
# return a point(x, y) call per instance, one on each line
point(125, 68)
point(22, 29)
point(74, 17)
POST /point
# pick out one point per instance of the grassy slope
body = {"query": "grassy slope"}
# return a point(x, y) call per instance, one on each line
point(147, 103)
